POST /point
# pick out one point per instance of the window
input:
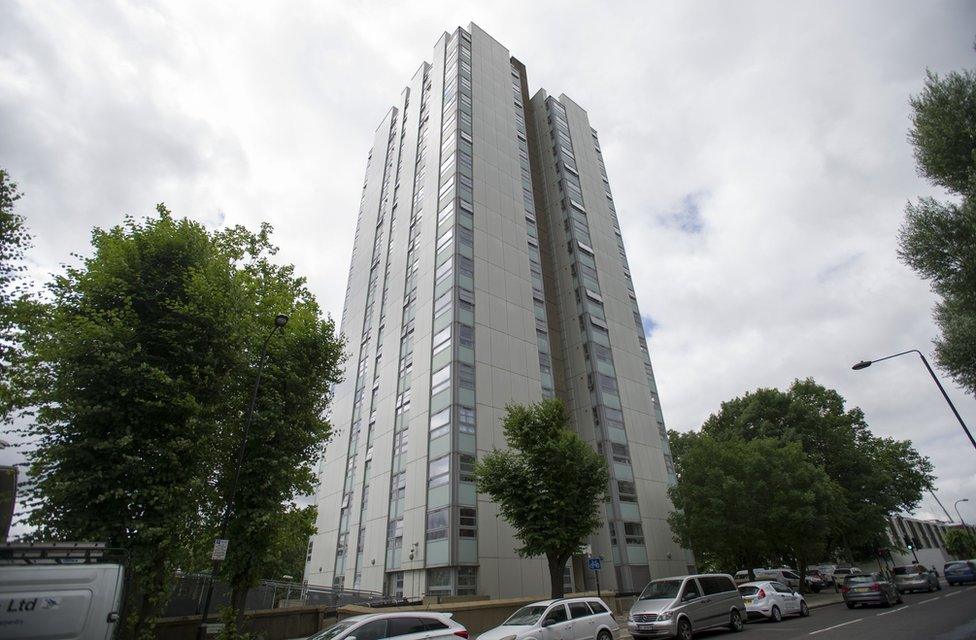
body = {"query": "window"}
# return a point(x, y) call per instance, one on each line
point(634, 533)
point(441, 380)
point(404, 626)
point(440, 423)
point(466, 336)
point(437, 521)
point(690, 591)
point(465, 376)
point(598, 607)
point(433, 624)
point(468, 522)
point(375, 630)
point(780, 587)
point(465, 420)
point(627, 491)
point(557, 613)
point(716, 584)
point(467, 581)
point(579, 610)
point(440, 471)
point(466, 467)
point(398, 486)
point(394, 533)
point(438, 582)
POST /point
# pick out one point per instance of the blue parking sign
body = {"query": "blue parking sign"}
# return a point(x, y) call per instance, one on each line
point(595, 564)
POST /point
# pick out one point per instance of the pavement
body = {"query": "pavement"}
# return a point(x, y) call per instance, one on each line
point(949, 614)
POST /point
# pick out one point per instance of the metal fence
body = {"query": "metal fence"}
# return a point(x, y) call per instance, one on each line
point(189, 591)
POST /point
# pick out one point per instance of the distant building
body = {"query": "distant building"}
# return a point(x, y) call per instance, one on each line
point(930, 537)
point(488, 268)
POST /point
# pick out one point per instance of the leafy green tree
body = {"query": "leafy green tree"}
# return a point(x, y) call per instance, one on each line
point(139, 366)
point(938, 239)
point(14, 242)
point(873, 477)
point(960, 543)
point(750, 503)
point(549, 484)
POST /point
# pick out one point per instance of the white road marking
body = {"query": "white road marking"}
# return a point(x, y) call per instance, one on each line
point(893, 610)
point(954, 593)
point(836, 626)
point(929, 600)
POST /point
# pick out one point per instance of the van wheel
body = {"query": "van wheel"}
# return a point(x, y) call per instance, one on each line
point(684, 630)
point(735, 621)
point(777, 615)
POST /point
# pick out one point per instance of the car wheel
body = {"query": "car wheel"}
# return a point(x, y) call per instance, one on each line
point(850, 605)
point(604, 635)
point(900, 599)
point(886, 600)
point(804, 609)
point(930, 589)
point(684, 629)
point(938, 586)
point(735, 621)
point(776, 614)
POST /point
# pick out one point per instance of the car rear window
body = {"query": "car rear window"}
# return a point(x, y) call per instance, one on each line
point(716, 584)
point(598, 607)
point(861, 579)
point(402, 626)
point(749, 590)
point(433, 624)
point(900, 571)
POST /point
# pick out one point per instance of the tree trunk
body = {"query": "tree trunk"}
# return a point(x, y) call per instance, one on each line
point(238, 600)
point(557, 565)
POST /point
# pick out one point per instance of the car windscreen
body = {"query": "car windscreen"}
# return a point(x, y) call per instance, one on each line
point(661, 590)
point(955, 566)
point(749, 590)
point(863, 579)
point(526, 616)
point(331, 632)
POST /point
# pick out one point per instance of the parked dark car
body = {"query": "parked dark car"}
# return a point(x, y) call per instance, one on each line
point(960, 572)
point(869, 588)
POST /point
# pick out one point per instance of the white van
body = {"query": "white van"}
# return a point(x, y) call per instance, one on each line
point(66, 591)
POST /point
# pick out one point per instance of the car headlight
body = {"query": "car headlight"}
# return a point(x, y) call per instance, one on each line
point(665, 615)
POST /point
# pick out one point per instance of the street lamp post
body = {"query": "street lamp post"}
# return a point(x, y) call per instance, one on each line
point(280, 321)
point(956, 507)
point(864, 364)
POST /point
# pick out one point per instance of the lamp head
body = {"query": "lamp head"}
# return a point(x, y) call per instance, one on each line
point(281, 320)
point(863, 364)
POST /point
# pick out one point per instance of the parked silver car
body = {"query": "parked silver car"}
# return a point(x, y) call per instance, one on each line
point(565, 619)
point(869, 588)
point(915, 577)
point(683, 605)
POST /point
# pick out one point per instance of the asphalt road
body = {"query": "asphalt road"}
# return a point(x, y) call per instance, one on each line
point(949, 614)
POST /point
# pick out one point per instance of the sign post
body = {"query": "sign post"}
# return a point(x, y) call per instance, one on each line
point(219, 550)
point(595, 565)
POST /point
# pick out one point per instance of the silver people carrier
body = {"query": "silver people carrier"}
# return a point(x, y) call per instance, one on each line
point(684, 605)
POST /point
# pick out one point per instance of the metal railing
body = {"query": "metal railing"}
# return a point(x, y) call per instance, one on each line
point(189, 591)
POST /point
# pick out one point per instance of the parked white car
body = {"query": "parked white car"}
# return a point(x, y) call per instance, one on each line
point(772, 600)
point(409, 625)
point(565, 618)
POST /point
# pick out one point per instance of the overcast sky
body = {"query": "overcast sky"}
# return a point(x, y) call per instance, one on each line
point(757, 153)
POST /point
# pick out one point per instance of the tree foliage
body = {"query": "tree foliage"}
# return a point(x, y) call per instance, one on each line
point(139, 367)
point(960, 543)
point(15, 240)
point(938, 239)
point(813, 452)
point(549, 484)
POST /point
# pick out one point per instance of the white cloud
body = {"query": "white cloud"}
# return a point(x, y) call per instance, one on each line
point(781, 126)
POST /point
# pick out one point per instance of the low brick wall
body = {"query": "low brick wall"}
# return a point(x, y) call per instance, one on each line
point(479, 615)
point(269, 624)
point(289, 623)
